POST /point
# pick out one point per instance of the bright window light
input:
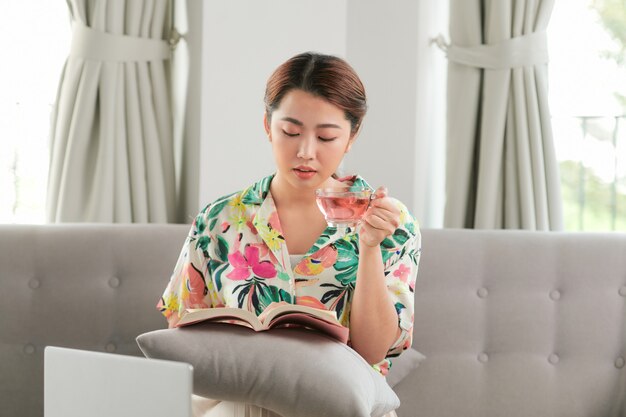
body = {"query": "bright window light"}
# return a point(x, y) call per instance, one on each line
point(586, 81)
point(37, 36)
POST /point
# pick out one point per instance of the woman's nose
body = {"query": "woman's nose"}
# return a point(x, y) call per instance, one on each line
point(307, 148)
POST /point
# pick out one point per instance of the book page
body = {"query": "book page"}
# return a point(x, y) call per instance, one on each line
point(222, 315)
point(277, 309)
point(331, 328)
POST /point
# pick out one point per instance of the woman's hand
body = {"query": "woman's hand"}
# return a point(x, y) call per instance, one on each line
point(380, 220)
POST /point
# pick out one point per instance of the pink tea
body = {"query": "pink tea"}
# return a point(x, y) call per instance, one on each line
point(341, 209)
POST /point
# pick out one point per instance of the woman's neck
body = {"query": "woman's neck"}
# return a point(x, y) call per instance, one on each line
point(284, 193)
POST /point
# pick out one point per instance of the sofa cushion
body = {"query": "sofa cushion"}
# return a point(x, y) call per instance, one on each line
point(294, 372)
point(403, 365)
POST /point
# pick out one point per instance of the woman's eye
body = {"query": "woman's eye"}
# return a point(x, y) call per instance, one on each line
point(326, 139)
point(291, 135)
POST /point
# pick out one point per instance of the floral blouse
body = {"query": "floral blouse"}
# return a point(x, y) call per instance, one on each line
point(235, 256)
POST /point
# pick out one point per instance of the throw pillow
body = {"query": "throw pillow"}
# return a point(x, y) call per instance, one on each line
point(293, 372)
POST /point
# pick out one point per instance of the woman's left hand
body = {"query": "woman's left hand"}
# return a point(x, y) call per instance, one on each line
point(380, 220)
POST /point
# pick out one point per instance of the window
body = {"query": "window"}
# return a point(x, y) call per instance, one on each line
point(587, 100)
point(38, 36)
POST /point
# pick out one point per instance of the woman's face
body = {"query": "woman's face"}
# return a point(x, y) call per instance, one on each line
point(309, 137)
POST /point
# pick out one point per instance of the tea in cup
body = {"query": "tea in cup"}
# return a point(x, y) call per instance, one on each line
point(343, 207)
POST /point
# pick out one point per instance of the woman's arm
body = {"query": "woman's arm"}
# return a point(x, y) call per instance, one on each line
point(373, 317)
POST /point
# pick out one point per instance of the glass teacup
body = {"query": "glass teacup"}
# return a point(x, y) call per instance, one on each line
point(343, 207)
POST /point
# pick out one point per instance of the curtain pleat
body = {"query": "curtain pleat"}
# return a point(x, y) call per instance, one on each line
point(112, 153)
point(501, 168)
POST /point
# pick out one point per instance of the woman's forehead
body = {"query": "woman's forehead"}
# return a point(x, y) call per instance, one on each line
point(301, 108)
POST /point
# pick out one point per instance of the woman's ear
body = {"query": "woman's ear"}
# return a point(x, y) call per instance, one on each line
point(266, 125)
point(350, 142)
point(353, 138)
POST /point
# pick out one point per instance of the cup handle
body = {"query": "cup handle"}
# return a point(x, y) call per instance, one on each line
point(372, 197)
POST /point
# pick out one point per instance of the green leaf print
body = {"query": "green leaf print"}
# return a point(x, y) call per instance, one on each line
point(200, 224)
point(253, 295)
point(324, 237)
point(388, 244)
point(203, 244)
point(241, 297)
point(400, 236)
point(217, 207)
point(222, 249)
point(283, 276)
point(386, 255)
point(212, 223)
point(336, 298)
point(347, 261)
point(272, 294)
point(258, 292)
point(399, 307)
point(217, 269)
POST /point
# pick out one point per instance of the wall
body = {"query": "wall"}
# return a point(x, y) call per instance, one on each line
point(381, 45)
point(242, 41)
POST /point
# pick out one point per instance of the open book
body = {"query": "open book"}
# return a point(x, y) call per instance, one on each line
point(275, 315)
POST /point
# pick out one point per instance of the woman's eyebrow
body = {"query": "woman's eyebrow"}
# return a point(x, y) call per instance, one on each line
point(292, 120)
point(299, 123)
point(329, 125)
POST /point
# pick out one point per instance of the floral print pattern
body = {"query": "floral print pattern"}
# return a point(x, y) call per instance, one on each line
point(235, 256)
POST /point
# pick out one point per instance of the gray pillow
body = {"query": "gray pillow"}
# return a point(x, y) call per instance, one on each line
point(293, 372)
point(403, 365)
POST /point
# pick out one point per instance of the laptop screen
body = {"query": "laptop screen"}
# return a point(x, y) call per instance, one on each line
point(79, 383)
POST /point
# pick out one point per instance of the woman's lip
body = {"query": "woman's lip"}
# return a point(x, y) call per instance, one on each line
point(304, 169)
point(304, 174)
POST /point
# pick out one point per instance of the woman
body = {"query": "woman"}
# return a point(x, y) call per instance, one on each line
point(270, 242)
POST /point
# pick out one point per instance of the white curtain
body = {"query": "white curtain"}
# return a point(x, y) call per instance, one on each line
point(112, 151)
point(501, 165)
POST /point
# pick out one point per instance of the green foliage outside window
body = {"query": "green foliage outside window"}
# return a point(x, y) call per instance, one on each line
point(612, 14)
point(593, 202)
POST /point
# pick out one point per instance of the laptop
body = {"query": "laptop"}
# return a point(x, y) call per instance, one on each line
point(80, 383)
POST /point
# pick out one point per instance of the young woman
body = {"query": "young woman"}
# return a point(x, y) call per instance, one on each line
point(270, 242)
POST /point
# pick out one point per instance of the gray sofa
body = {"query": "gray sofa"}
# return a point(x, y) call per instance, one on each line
point(512, 323)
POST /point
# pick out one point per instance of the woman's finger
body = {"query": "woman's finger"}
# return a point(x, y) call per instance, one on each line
point(376, 221)
point(389, 214)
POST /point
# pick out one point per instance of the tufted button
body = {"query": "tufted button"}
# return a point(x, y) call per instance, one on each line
point(622, 291)
point(34, 283)
point(553, 359)
point(619, 363)
point(482, 292)
point(29, 349)
point(110, 347)
point(114, 282)
point(483, 357)
point(555, 295)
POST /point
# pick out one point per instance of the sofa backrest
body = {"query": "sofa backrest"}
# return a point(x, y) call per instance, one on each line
point(92, 287)
point(517, 323)
point(512, 323)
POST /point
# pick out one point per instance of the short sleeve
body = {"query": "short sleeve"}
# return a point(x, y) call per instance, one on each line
point(188, 287)
point(401, 273)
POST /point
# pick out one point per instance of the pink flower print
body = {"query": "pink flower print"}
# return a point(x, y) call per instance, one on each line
point(307, 300)
point(251, 226)
point(318, 262)
point(263, 249)
point(402, 272)
point(275, 222)
point(244, 264)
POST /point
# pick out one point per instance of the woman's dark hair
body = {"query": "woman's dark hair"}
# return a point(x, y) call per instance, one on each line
point(325, 76)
